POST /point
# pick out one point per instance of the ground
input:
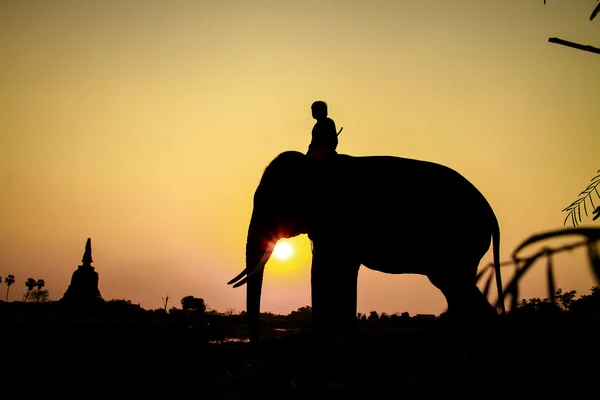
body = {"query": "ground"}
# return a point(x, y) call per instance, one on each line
point(134, 359)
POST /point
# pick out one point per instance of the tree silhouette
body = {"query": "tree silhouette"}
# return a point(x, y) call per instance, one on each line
point(10, 279)
point(303, 315)
point(193, 305)
point(30, 283)
point(40, 284)
point(587, 305)
point(39, 295)
point(565, 300)
point(373, 316)
point(564, 309)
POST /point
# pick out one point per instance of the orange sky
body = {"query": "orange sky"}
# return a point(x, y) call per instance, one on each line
point(147, 127)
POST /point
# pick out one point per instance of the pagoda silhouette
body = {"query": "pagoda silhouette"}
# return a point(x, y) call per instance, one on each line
point(84, 282)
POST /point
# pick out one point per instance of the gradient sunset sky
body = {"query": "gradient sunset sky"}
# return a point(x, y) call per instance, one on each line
point(146, 126)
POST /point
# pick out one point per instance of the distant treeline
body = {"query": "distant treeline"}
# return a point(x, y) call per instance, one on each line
point(564, 309)
point(194, 308)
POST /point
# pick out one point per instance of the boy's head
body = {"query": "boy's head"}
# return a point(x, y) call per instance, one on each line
point(319, 109)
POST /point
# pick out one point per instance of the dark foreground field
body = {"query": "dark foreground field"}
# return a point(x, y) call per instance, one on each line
point(51, 358)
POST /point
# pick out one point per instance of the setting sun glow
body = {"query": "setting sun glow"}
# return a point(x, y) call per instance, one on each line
point(283, 250)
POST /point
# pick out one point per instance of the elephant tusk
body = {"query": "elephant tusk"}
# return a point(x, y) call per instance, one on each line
point(259, 267)
point(237, 278)
point(247, 277)
point(240, 283)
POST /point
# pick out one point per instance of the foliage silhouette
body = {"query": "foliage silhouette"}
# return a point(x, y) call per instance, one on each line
point(30, 284)
point(38, 295)
point(524, 264)
point(39, 284)
point(574, 209)
point(193, 305)
point(303, 315)
point(9, 280)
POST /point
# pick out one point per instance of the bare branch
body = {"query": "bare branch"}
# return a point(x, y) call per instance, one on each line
point(574, 45)
point(595, 12)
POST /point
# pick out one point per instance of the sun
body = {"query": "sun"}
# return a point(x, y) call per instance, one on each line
point(283, 250)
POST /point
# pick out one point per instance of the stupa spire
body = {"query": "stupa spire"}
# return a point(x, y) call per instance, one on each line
point(87, 255)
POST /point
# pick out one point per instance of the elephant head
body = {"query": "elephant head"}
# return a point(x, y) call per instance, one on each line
point(282, 207)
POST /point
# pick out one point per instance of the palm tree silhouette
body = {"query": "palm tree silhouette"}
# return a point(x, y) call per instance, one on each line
point(30, 283)
point(10, 279)
point(39, 284)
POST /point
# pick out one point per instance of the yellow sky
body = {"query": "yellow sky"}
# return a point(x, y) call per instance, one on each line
point(147, 127)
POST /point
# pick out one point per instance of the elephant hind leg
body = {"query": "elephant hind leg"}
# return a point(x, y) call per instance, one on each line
point(471, 316)
point(465, 301)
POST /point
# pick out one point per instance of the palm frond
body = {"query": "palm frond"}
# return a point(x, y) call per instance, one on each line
point(574, 209)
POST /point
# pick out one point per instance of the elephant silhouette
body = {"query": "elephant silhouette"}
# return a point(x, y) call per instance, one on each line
point(390, 214)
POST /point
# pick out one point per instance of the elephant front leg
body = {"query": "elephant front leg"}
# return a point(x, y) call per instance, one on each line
point(334, 280)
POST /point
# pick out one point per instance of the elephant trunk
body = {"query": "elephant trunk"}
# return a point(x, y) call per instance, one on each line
point(259, 247)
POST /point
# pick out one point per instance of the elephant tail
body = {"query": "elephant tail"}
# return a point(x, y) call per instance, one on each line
point(496, 250)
